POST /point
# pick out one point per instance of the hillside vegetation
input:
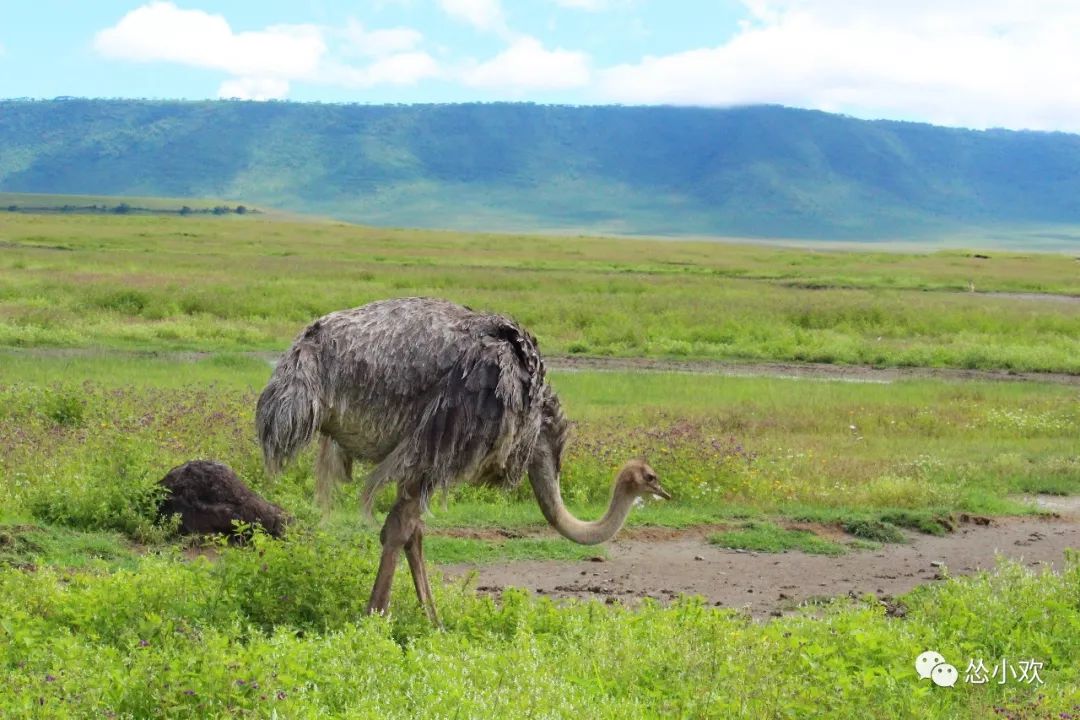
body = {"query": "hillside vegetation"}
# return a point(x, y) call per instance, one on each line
point(754, 171)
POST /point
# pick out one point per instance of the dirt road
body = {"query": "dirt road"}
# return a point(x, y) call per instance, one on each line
point(808, 371)
point(664, 564)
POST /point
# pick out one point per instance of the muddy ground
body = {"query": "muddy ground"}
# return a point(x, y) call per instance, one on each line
point(806, 371)
point(663, 564)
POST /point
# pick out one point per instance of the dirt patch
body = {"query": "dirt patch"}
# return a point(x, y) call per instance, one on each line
point(1067, 505)
point(832, 533)
point(664, 567)
point(486, 534)
point(1032, 297)
point(641, 533)
point(804, 371)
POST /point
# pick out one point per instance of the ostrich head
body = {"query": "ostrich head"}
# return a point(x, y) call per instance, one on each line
point(638, 479)
point(635, 480)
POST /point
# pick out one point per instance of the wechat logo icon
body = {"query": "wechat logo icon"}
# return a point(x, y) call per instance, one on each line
point(932, 665)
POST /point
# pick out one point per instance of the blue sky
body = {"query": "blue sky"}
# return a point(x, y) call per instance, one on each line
point(975, 63)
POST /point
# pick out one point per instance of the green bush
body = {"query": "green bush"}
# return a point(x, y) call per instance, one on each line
point(112, 485)
point(128, 302)
point(314, 582)
point(65, 408)
point(176, 639)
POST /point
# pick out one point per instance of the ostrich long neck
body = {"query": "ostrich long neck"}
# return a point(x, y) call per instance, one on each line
point(545, 486)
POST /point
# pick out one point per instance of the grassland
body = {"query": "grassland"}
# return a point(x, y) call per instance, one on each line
point(725, 446)
point(246, 284)
point(94, 623)
point(103, 613)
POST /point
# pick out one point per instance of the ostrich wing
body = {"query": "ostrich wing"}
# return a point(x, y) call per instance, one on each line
point(463, 386)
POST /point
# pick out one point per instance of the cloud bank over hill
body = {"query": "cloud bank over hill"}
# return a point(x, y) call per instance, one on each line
point(991, 63)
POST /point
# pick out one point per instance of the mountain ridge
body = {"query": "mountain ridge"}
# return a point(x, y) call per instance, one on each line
point(754, 171)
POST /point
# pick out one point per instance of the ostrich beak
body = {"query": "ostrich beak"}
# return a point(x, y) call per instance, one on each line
point(659, 492)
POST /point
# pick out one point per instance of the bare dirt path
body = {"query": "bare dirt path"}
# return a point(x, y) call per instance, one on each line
point(1033, 297)
point(669, 564)
point(809, 371)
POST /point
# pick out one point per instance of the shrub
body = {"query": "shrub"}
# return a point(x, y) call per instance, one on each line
point(129, 302)
point(65, 408)
point(111, 486)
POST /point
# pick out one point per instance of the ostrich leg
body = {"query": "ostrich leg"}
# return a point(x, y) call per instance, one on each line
point(401, 524)
point(414, 553)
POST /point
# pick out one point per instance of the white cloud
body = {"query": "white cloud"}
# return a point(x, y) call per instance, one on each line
point(254, 88)
point(398, 69)
point(380, 43)
point(403, 69)
point(482, 14)
point(262, 64)
point(978, 63)
point(160, 31)
point(526, 65)
point(589, 5)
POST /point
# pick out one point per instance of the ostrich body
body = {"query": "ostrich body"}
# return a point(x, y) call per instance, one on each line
point(433, 393)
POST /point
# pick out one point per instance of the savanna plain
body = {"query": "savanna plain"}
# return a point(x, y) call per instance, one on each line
point(132, 343)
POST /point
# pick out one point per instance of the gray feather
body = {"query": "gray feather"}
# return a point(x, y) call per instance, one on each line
point(432, 392)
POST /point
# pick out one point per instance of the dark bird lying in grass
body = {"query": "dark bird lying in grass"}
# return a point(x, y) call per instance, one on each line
point(434, 394)
point(210, 498)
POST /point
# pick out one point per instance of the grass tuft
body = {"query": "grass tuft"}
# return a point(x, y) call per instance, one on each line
point(924, 521)
point(874, 530)
point(33, 545)
point(770, 538)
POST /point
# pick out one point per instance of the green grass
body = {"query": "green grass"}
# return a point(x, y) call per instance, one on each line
point(465, 543)
point(277, 630)
point(929, 523)
point(102, 614)
point(230, 371)
point(448, 550)
point(877, 531)
point(87, 452)
point(25, 545)
point(768, 537)
point(31, 544)
point(238, 284)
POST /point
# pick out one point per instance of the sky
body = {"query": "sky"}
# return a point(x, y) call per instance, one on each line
point(968, 63)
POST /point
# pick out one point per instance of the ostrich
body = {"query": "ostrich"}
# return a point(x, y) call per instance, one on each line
point(433, 393)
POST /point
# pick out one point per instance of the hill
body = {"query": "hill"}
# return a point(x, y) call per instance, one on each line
point(752, 171)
